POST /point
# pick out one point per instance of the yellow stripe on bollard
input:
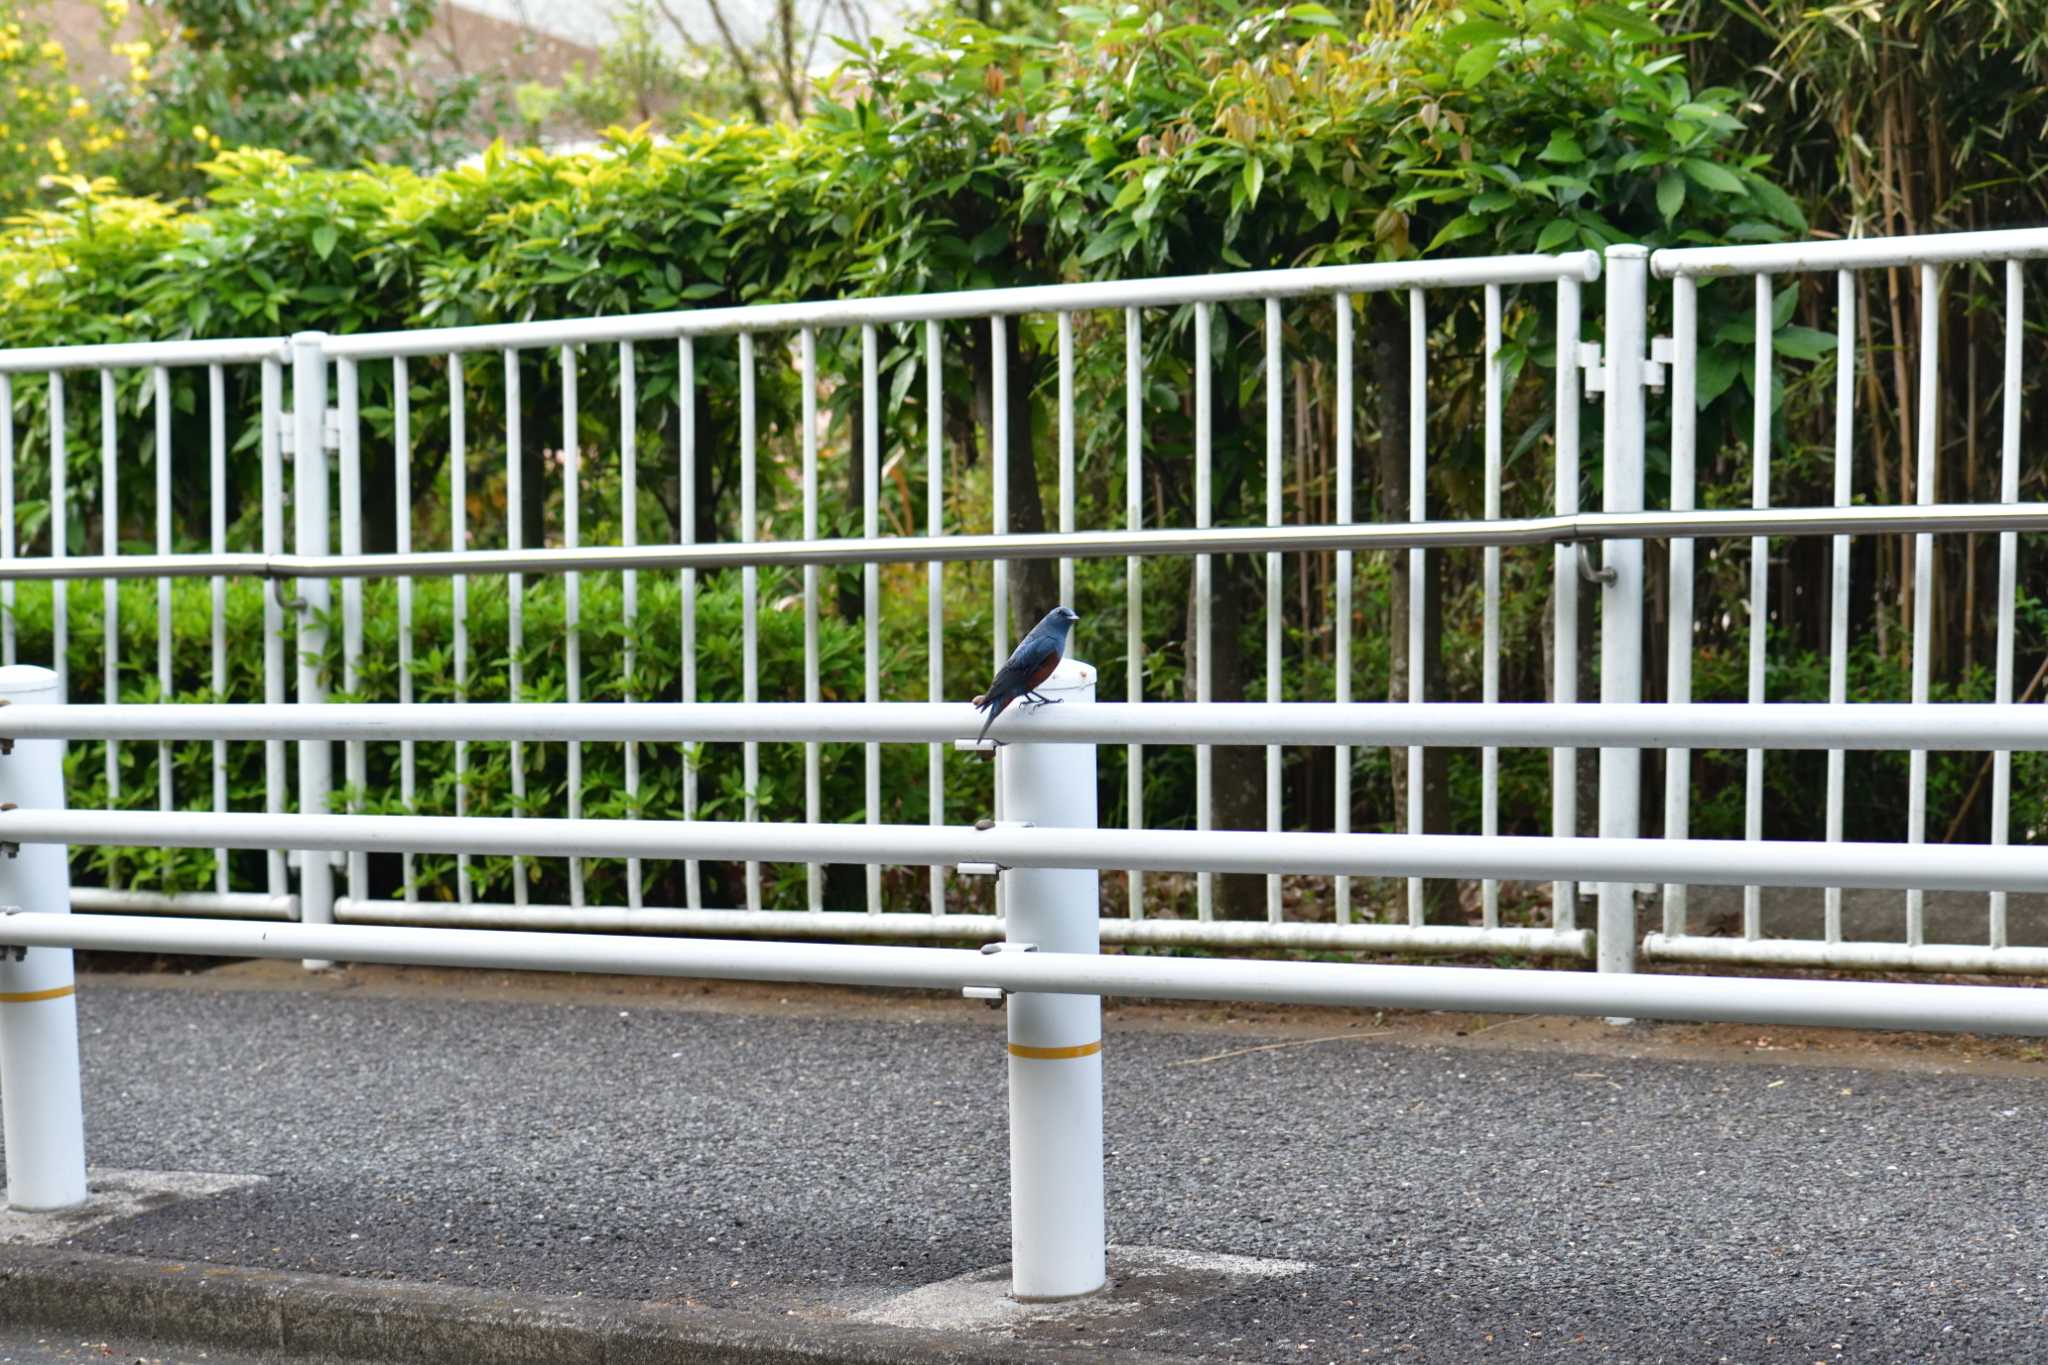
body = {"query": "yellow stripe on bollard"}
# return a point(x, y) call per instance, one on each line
point(1056, 1054)
point(54, 993)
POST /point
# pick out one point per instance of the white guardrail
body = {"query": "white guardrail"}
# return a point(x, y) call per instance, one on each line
point(1046, 968)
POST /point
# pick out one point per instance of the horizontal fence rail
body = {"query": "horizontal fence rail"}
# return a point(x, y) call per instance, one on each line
point(1837, 1004)
point(970, 305)
point(1702, 861)
point(1526, 532)
point(1646, 725)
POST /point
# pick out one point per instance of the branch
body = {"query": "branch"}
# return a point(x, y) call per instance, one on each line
point(749, 87)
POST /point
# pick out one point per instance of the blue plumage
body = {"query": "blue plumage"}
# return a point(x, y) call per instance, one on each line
point(1028, 666)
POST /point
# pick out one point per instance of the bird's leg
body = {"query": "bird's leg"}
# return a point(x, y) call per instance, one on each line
point(1035, 700)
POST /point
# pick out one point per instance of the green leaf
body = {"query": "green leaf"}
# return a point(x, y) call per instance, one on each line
point(1670, 196)
point(1782, 304)
point(1716, 374)
point(1707, 175)
point(1473, 66)
point(1254, 176)
point(1464, 225)
point(1803, 343)
point(1777, 203)
point(1555, 234)
point(324, 238)
point(1563, 147)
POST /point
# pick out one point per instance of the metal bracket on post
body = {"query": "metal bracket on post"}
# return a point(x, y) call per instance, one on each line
point(17, 952)
point(288, 430)
point(990, 869)
point(1599, 374)
point(1591, 572)
point(994, 995)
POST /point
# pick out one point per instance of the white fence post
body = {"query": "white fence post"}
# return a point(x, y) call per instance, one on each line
point(1621, 571)
point(44, 1119)
point(1058, 1236)
point(310, 522)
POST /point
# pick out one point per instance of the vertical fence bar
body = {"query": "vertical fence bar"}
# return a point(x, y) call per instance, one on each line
point(355, 768)
point(935, 584)
point(1276, 384)
point(515, 591)
point(42, 1114)
point(1205, 591)
point(1564, 573)
point(1418, 559)
point(871, 575)
point(999, 522)
point(1759, 583)
point(110, 589)
point(7, 514)
point(629, 585)
point(60, 524)
point(458, 541)
point(1489, 683)
point(1066, 332)
point(814, 780)
point(572, 591)
point(2008, 572)
point(1838, 587)
point(272, 444)
point(1621, 597)
point(401, 464)
point(160, 393)
point(311, 523)
point(1134, 584)
point(750, 588)
point(1342, 758)
point(1923, 577)
point(999, 487)
point(686, 440)
point(1685, 338)
point(217, 541)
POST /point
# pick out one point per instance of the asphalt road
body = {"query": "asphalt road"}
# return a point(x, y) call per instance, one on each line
point(1453, 1203)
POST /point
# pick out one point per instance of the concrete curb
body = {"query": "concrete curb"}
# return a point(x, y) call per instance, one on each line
point(327, 1316)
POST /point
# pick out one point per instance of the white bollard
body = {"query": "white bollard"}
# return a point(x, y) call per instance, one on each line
point(1058, 1234)
point(40, 1105)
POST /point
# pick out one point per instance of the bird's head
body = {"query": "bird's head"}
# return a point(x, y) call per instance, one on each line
point(1060, 619)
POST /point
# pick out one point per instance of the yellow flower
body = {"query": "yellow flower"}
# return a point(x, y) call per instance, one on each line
point(58, 158)
point(199, 133)
point(116, 12)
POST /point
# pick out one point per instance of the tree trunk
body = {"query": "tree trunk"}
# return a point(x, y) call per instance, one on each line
point(1034, 583)
point(1387, 351)
point(1239, 770)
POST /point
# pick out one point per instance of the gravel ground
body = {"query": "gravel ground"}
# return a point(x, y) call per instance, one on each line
point(1454, 1202)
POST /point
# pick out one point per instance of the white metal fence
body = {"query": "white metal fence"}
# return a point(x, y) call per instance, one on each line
point(417, 380)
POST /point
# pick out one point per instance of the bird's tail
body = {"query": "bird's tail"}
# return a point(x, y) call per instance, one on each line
point(993, 702)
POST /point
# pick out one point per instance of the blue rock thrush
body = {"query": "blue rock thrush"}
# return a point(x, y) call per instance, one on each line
point(1033, 661)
